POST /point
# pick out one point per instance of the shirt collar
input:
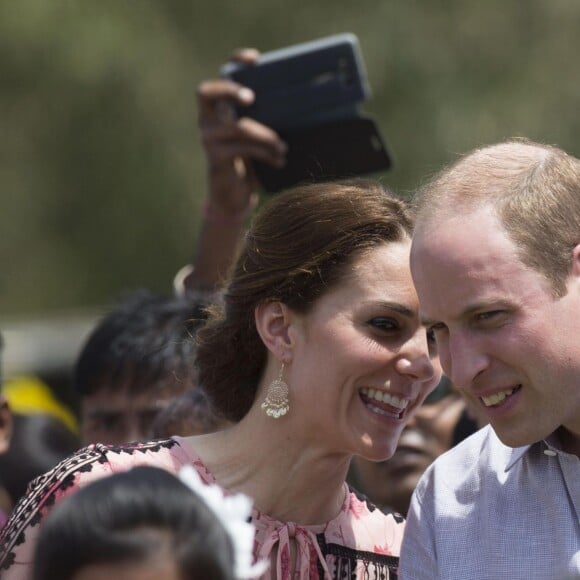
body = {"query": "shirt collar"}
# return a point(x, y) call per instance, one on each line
point(516, 454)
point(551, 442)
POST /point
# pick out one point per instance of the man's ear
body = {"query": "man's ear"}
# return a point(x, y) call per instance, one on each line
point(5, 425)
point(576, 260)
point(272, 323)
point(573, 279)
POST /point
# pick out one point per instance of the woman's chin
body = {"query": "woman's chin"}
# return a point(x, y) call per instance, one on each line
point(378, 453)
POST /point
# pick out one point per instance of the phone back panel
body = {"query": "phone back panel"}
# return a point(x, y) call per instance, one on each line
point(338, 150)
point(304, 84)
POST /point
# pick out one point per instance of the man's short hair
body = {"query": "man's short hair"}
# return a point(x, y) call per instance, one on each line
point(533, 188)
point(143, 341)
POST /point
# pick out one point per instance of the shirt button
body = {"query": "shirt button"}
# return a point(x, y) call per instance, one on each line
point(550, 453)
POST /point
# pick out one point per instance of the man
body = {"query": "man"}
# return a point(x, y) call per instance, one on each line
point(137, 359)
point(496, 262)
point(43, 432)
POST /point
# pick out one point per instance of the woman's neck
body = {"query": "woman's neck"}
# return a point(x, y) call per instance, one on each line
point(288, 479)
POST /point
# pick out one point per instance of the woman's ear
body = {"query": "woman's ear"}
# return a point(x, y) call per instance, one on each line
point(272, 323)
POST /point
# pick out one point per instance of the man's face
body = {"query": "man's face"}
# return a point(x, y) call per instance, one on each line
point(503, 338)
point(117, 416)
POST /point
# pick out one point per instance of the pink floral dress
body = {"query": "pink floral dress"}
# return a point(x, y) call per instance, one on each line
point(361, 542)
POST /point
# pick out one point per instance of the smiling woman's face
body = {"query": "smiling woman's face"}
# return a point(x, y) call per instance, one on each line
point(361, 360)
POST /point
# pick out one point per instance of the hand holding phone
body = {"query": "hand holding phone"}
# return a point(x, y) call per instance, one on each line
point(231, 145)
point(310, 95)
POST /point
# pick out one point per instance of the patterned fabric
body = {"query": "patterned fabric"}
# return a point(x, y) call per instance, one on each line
point(361, 542)
point(487, 511)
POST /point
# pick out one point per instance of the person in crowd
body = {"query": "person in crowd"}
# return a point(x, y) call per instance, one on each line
point(6, 422)
point(496, 263)
point(29, 394)
point(6, 427)
point(315, 354)
point(137, 359)
point(38, 431)
point(39, 442)
point(231, 145)
point(143, 524)
point(189, 414)
point(440, 423)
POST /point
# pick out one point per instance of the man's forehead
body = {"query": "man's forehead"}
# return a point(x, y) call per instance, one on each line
point(447, 217)
point(476, 240)
point(462, 277)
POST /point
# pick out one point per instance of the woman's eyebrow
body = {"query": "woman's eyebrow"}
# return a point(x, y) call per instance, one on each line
point(397, 307)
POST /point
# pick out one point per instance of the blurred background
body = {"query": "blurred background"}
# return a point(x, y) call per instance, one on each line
point(101, 170)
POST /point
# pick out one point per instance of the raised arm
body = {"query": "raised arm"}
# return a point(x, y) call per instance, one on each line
point(230, 144)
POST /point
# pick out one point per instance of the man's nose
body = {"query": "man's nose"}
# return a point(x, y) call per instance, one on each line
point(462, 359)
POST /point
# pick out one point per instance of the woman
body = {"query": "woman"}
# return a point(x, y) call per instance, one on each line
point(316, 356)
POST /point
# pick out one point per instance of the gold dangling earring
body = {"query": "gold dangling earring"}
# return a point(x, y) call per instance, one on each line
point(276, 403)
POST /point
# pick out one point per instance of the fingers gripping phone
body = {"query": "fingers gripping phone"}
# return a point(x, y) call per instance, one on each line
point(310, 95)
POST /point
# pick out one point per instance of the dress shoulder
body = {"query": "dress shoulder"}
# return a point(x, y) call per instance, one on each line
point(18, 536)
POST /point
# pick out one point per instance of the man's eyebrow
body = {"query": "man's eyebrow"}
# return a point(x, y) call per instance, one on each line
point(102, 413)
point(470, 310)
point(426, 321)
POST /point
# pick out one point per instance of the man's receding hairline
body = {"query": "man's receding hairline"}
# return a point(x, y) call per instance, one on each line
point(516, 157)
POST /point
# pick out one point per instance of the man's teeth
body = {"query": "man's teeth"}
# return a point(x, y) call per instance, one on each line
point(384, 397)
point(496, 398)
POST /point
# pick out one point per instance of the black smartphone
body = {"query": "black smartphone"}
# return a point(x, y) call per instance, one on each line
point(332, 150)
point(304, 83)
point(310, 95)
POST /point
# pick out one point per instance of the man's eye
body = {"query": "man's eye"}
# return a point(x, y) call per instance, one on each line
point(431, 336)
point(483, 316)
point(108, 422)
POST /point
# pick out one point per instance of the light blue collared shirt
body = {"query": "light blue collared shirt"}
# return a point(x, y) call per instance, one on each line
point(487, 511)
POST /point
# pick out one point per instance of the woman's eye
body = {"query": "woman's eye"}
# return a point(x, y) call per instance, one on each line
point(385, 324)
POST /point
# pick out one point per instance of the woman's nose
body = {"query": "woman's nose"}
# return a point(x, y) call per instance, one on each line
point(415, 359)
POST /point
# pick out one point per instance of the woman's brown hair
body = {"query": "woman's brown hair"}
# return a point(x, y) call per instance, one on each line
point(298, 247)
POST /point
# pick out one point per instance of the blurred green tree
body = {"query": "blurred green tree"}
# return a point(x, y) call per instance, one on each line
point(101, 169)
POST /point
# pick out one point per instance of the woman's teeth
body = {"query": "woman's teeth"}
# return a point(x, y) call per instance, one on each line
point(384, 397)
point(496, 398)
